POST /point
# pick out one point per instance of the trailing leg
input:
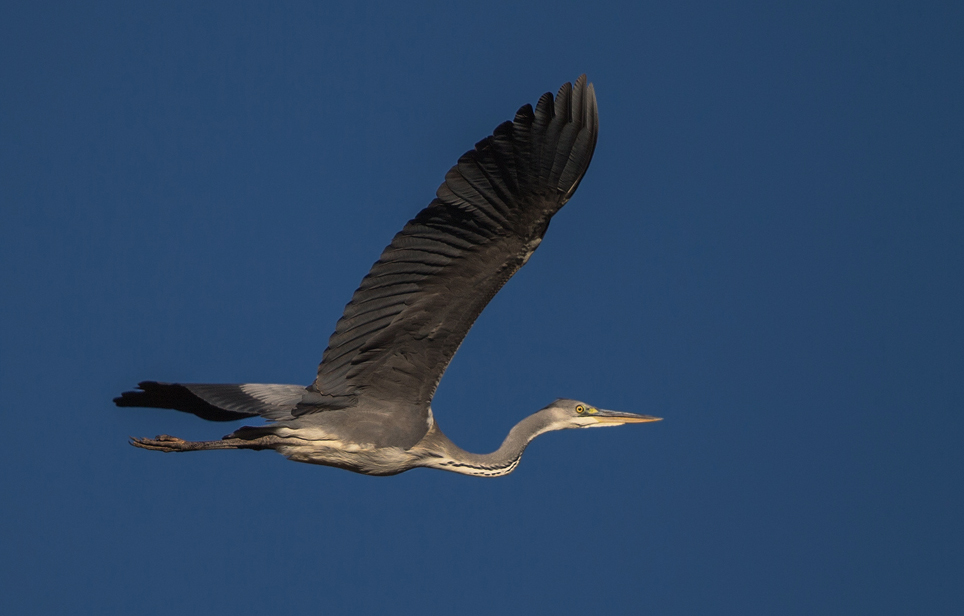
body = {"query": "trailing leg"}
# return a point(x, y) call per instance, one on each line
point(168, 444)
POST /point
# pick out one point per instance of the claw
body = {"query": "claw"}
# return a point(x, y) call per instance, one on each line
point(163, 442)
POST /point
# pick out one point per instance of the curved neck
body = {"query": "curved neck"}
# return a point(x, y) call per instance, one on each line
point(441, 453)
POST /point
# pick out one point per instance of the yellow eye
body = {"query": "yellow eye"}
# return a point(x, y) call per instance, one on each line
point(580, 408)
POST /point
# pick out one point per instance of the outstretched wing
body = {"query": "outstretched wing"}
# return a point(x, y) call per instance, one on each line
point(220, 402)
point(412, 310)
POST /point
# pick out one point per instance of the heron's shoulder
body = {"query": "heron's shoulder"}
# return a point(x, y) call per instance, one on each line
point(370, 423)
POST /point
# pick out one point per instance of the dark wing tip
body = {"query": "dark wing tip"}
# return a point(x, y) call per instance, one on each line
point(175, 397)
point(142, 398)
point(568, 127)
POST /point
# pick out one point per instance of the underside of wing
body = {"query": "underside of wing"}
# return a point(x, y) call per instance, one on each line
point(413, 309)
point(220, 402)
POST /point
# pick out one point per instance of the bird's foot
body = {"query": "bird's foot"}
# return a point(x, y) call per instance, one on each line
point(164, 442)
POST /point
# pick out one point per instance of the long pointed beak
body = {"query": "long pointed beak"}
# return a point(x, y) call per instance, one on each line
point(618, 418)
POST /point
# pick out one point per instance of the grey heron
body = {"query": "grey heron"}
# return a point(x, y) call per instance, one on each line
point(369, 409)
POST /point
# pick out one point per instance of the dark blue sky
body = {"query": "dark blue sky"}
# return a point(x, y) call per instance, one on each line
point(766, 251)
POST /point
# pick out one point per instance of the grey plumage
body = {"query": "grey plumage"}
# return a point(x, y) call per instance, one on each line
point(368, 410)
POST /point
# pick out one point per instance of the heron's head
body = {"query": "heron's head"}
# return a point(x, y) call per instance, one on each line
point(576, 414)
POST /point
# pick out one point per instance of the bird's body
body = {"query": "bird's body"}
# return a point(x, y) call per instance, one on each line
point(369, 410)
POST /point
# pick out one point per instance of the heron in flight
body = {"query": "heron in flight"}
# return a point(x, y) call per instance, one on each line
point(369, 409)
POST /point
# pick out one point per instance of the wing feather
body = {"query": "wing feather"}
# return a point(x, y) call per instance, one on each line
point(219, 402)
point(413, 309)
